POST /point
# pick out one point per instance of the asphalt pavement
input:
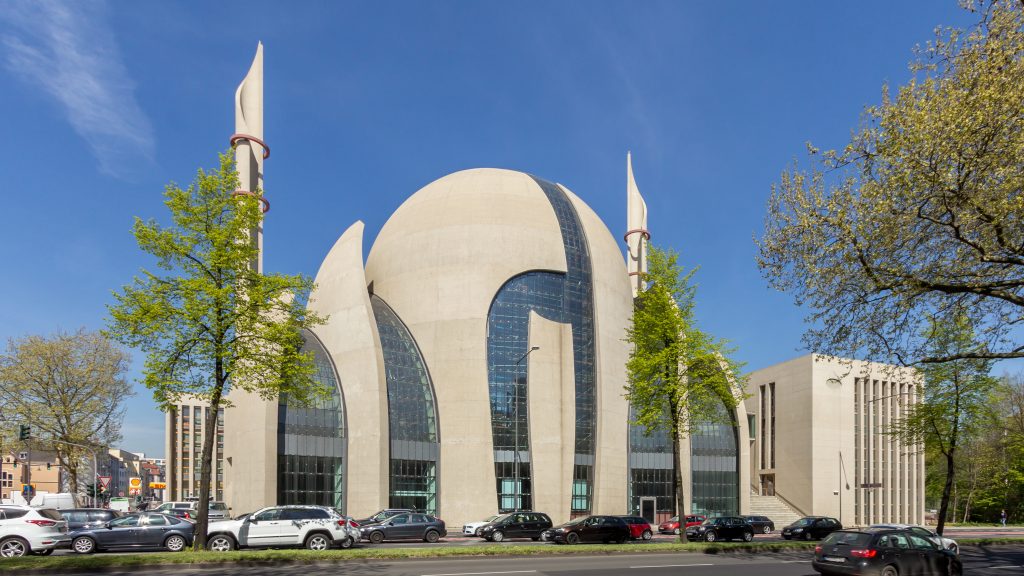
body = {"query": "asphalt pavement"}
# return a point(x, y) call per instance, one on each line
point(982, 561)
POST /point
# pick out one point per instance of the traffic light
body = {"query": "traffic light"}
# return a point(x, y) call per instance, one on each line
point(49, 465)
point(24, 432)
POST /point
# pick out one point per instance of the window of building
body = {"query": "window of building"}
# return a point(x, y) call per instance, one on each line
point(651, 469)
point(771, 392)
point(412, 413)
point(714, 464)
point(311, 440)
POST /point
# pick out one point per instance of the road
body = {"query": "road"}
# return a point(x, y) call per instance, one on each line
point(989, 561)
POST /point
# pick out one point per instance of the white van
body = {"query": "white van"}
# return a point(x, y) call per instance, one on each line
point(61, 501)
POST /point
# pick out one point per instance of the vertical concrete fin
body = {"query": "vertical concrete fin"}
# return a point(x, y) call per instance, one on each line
point(637, 234)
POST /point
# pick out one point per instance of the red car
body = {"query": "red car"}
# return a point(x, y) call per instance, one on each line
point(639, 529)
point(671, 526)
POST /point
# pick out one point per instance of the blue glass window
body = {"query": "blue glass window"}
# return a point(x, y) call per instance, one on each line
point(651, 469)
point(311, 440)
point(714, 461)
point(412, 415)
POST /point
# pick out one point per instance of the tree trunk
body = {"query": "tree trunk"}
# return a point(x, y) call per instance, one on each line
point(206, 472)
point(947, 489)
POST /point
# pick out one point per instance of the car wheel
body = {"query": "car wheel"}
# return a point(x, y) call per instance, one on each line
point(46, 552)
point(676, 531)
point(13, 548)
point(498, 536)
point(377, 537)
point(953, 548)
point(767, 529)
point(748, 536)
point(318, 542)
point(807, 536)
point(572, 538)
point(347, 543)
point(889, 571)
point(84, 545)
point(647, 535)
point(535, 538)
point(174, 543)
point(710, 536)
point(432, 536)
point(221, 543)
point(478, 532)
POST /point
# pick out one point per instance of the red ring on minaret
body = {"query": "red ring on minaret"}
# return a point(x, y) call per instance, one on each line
point(264, 201)
point(643, 231)
point(236, 137)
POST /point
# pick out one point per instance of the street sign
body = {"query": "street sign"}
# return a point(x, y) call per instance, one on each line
point(135, 483)
point(158, 485)
point(871, 485)
point(104, 481)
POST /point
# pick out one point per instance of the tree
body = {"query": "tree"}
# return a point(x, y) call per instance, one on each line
point(679, 377)
point(70, 388)
point(921, 215)
point(954, 403)
point(209, 322)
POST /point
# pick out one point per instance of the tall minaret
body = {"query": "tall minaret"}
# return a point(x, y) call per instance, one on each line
point(637, 235)
point(250, 149)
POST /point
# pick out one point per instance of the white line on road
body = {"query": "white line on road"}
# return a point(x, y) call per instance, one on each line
point(672, 566)
point(479, 573)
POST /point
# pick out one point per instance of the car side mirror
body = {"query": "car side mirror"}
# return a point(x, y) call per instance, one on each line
point(391, 523)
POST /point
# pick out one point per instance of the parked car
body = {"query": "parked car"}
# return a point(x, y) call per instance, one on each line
point(883, 551)
point(383, 514)
point(139, 530)
point(57, 501)
point(761, 524)
point(218, 511)
point(86, 517)
point(673, 526)
point(639, 528)
point(942, 541)
point(25, 530)
point(721, 528)
point(811, 528)
point(405, 527)
point(590, 529)
point(473, 528)
point(527, 524)
point(314, 527)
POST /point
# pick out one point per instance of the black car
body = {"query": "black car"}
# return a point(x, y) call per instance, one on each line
point(883, 551)
point(590, 529)
point(516, 525)
point(811, 528)
point(761, 524)
point(721, 528)
point(86, 517)
point(381, 515)
point(143, 530)
point(405, 527)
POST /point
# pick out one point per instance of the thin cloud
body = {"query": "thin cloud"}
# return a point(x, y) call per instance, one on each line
point(67, 50)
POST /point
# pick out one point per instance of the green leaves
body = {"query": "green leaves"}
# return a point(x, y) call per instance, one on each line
point(921, 214)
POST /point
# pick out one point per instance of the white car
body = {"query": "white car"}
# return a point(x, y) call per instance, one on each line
point(314, 527)
point(25, 530)
point(947, 543)
point(472, 528)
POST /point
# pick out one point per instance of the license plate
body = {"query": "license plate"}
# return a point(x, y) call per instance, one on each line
point(838, 559)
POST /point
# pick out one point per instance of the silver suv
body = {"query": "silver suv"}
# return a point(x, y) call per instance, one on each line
point(25, 530)
point(314, 527)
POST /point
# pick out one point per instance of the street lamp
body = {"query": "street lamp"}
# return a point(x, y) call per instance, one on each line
point(515, 457)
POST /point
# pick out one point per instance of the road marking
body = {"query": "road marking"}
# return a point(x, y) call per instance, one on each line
point(479, 573)
point(672, 566)
point(1007, 567)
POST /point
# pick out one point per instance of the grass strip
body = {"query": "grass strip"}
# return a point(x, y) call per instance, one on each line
point(50, 564)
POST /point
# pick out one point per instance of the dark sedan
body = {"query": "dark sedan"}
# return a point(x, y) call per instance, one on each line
point(761, 524)
point(721, 528)
point(87, 517)
point(143, 530)
point(527, 524)
point(590, 529)
point(405, 527)
point(811, 528)
point(885, 552)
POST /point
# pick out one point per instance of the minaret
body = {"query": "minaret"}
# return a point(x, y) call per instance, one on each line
point(637, 235)
point(250, 149)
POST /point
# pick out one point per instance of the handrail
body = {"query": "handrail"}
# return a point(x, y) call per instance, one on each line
point(754, 490)
point(790, 504)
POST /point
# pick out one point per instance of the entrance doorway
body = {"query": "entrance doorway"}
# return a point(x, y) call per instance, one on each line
point(647, 508)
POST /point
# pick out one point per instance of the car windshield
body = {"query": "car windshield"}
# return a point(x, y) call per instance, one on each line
point(500, 517)
point(218, 506)
point(674, 519)
point(491, 519)
point(804, 522)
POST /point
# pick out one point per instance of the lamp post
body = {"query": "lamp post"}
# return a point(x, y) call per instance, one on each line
point(515, 424)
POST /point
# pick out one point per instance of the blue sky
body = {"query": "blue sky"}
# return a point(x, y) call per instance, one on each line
point(102, 104)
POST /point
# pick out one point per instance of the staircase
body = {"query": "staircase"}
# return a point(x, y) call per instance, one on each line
point(774, 508)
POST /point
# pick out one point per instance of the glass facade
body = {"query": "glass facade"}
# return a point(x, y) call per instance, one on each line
point(311, 441)
point(714, 465)
point(566, 298)
point(651, 469)
point(412, 415)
